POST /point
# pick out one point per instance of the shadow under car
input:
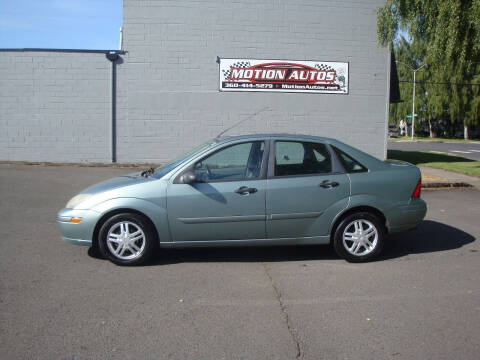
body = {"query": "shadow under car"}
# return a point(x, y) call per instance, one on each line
point(429, 236)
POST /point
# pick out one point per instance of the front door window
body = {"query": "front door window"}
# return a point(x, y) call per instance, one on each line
point(237, 162)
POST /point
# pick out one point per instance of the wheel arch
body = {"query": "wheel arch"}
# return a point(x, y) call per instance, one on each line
point(356, 209)
point(113, 212)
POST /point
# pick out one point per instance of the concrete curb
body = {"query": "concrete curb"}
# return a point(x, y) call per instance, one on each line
point(443, 185)
point(449, 178)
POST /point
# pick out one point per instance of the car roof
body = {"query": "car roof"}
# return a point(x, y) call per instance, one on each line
point(275, 136)
point(367, 160)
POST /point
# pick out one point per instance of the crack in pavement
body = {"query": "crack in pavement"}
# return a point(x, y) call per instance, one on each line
point(291, 329)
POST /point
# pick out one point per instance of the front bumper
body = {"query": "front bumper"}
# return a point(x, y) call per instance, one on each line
point(80, 233)
point(407, 216)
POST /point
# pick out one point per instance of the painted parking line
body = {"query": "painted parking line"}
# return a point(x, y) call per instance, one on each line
point(461, 152)
point(474, 150)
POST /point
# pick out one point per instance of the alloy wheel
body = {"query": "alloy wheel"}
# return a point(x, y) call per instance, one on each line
point(360, 237)
point(126, 240)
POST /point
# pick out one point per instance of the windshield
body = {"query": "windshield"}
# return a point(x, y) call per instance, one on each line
point(165, 169)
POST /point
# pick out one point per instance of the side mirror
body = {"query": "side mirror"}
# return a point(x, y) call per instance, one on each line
point(188, 178)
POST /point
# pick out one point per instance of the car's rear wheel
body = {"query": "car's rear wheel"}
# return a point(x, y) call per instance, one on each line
point(359, 237)
point(127, 239)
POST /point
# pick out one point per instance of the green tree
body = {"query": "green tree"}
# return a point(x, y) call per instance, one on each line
point(409, 55)
point(447, 35)
point(404, 56)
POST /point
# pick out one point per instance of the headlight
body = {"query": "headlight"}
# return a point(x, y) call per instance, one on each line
point(77, 199)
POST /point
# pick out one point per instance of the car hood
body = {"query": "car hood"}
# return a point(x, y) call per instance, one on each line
point(117, 182)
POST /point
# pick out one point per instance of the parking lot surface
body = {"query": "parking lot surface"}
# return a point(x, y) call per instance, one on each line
point(420, 300)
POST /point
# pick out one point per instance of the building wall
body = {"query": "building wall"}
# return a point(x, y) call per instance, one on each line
point(168, 98)
point(54, 106)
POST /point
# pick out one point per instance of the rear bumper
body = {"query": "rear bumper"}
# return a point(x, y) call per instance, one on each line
point(408, 216)
point(80, 233)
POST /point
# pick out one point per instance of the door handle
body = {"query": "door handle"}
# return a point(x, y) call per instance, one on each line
point(244, 190)
point(327, 184)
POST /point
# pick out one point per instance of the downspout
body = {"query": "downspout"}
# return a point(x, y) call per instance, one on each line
point(113, 57)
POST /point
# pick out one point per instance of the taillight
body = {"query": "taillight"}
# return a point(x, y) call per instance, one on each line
point(418, 188)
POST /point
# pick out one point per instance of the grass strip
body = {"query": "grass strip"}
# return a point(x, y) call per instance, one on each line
point(438, 161)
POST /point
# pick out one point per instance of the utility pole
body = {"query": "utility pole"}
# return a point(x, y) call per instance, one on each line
point(413, 93)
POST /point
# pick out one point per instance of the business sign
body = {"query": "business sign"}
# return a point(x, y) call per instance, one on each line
point(284, 76)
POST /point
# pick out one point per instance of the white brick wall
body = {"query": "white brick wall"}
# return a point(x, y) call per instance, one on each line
point(54, 106)
point(168, 84)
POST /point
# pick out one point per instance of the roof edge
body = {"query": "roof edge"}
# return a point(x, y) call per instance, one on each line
point(121, 52)
point(274, 135)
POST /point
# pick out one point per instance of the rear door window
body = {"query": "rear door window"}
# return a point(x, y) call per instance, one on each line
point(301, 158)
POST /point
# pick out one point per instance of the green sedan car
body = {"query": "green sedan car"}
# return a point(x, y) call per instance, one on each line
point(247, 191)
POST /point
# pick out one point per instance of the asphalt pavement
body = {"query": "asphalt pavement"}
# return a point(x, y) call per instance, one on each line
point(420, 300)
point(469, 150)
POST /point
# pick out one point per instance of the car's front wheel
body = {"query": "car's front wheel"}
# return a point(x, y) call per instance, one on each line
point(127, 239)
point(359, 237)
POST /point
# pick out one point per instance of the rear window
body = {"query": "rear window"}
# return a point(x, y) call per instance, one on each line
point(350, 164)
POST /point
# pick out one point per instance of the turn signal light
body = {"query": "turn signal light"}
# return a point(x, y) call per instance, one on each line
point(75, 220)
point(418, 188)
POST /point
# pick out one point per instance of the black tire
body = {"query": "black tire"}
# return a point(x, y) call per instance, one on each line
point(347, 250)
point(146, 245)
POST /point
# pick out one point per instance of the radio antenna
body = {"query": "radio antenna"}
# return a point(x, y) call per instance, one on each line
point(242, 121)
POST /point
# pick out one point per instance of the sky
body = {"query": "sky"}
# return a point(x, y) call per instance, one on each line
point(60, 24)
